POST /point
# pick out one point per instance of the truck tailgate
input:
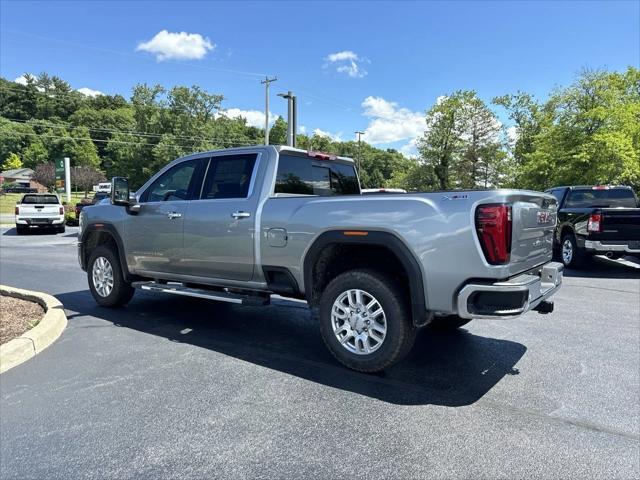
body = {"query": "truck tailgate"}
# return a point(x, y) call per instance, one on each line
point(39, 211)
point(618, 224)
point(534, 221)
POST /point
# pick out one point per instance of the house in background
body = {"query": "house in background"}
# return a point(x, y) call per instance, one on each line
point(22, 177)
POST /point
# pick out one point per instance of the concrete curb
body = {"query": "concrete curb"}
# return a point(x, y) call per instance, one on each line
point(33, 341)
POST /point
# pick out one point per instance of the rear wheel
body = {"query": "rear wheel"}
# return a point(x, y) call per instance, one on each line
point(570, 255)
point(448, 322)
point(21, 230)
point(61, 229)
point(106, 281)
point(365, 321)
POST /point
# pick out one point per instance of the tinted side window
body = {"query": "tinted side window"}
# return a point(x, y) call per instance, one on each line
point(344, 180)
point(304, 176)
point(294, 176)
point(229, 176)
point(174, 184)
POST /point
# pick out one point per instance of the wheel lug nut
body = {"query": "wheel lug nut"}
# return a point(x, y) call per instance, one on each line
point(367, 322)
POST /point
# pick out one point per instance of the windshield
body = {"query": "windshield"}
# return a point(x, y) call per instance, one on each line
point(611, 198)
point(40, 200)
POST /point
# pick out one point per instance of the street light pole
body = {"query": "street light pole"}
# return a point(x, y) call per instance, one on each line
point(266, 83)
point(359, 151)
point(291, 117)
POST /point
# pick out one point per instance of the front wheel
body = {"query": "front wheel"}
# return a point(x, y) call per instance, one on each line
point(106, 281)
point(365, 321)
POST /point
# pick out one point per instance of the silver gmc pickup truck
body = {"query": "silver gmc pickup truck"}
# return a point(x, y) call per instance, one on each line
point(241, 224)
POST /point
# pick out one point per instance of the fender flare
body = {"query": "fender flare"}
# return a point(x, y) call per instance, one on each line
point(419, 312)
point(110, 230)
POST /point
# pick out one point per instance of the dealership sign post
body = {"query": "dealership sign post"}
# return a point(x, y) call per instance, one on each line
point(63, 177)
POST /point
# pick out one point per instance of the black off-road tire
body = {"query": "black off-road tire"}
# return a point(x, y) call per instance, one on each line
point(400, 331)
point(447, 323)
point(61, 229)
point(122, 291)
point(21, 230)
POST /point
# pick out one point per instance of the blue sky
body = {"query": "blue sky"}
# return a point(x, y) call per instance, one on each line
point(371, 66)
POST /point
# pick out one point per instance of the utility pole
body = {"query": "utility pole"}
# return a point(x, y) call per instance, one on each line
point(266, 83)
point(291, 117)
point(359, 151)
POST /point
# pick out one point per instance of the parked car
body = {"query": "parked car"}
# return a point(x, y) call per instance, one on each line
point(596, 220)
point(97, 197)
point(241, 224)
point(39, 210)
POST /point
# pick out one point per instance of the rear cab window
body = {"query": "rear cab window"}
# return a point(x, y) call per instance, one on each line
point(40, 200)
point(601, 198)
point(299, 175)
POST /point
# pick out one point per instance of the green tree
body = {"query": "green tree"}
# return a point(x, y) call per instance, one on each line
point(12, 162)
point(278, 132)
point(587, 133)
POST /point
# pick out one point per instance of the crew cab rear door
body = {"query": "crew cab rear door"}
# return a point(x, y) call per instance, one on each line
point(219, 227)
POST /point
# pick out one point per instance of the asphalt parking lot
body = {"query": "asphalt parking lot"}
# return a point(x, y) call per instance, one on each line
point(172, 387)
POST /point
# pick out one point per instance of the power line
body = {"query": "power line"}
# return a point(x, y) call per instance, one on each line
point(323, 98)
point(131, 55)
point(135, 133)
point(89, 139)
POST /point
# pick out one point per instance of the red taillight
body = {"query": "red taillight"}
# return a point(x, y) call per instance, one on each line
point(17, 210)
point(493, 224)
point(61, 210)
point(595, 223)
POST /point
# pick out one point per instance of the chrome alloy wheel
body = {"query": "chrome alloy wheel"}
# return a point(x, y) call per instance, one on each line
point(359, 322)
point(567, 251)
point(102, 274)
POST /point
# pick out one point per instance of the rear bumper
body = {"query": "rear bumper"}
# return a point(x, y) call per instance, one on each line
point(40, 221)
point(511, 298)
point(596, 246)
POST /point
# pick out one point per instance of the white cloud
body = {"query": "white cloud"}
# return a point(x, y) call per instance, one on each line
point(254, 118)
point(347, 62)
point(410, 149)
point(22, 80)
point(333, 136)
point(177, 46)
point(391, 123)
point(90, 92)
point(302, 129)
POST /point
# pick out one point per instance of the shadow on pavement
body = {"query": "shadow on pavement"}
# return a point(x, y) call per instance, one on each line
point(451, 369)
point(602, 267)
point(12, 232)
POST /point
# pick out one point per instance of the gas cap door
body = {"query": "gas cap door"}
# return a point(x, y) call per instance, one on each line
point(277, 237)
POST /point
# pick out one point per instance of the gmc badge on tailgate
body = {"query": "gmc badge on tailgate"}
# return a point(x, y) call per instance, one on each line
point(544, 217)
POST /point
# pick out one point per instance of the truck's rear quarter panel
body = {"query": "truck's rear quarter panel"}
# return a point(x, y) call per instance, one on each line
point(438, 228)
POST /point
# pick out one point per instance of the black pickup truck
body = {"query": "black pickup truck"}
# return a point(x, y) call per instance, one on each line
point(596, 220)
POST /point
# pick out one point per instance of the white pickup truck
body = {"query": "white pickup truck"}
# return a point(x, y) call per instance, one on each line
point(37, 210)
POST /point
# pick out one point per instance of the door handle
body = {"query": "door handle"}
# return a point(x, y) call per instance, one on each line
point(240, 214)
point(172, 215)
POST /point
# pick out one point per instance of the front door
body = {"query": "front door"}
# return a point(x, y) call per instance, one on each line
point(154, 236)
point(219, 226)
